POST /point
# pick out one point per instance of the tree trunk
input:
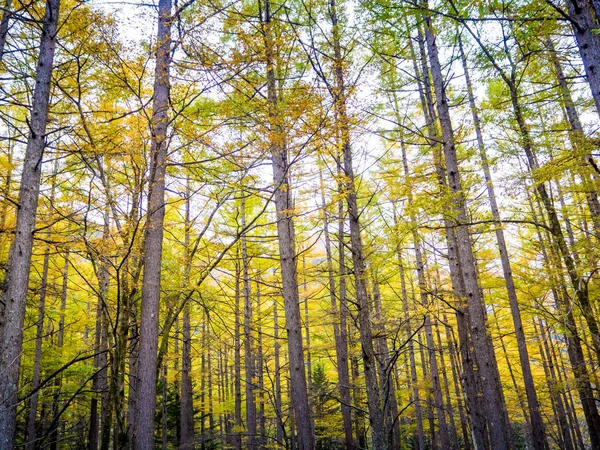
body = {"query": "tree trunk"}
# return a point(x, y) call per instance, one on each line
point(577, 136)
point(287, 256)
point(248, 339)
point(6, 13)
point(538, 434)
point(153, 241)
point(471, 383)
point(237, 382)
point(341, 344)
point(187, 396)
point(31, 422)
point(499, 426)
point(16, 278)
point(588, 41)
point(278, 405)
point(376, 416)
point(574, 343)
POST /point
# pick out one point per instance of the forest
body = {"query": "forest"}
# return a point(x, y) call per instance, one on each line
point(300, 224)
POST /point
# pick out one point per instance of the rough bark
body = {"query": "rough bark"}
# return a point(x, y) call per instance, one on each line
point(287, 255)
point(577, 137)
point(187, 395)
point(538, 433)
point(6, 13)
point(585, 25)
point(574, 342)
point(498, 424)
point(152, 254)
point(16, 278)
point(471, 383)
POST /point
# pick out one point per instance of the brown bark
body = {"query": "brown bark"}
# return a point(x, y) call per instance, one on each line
point(470, 381)
point(577, 137)
point(6, 13)
point(376, 416)
point(574, 343)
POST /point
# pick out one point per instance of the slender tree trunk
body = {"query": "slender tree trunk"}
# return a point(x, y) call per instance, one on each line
point(100, 361)
point(237, 379)
point(376, 416)
point(499, 426)
point(574, 343)
point(566, 441)
point(153, 241)
point(16, 278)
point(448, 402)
point(576, 135)
point(386, 371)
point(287, 256)
point(262, 442)
point(31, 422)
point(411, 348)
point(341, 344)
point(6, 13)
point(248, 339)
point(278, 404)
point(187, 396)
point(538, 434)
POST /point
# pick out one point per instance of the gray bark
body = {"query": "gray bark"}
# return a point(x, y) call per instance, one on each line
point(538, 434)
point(152, 256)
point(584, 27)
point(249, 361)
point(287, 255)
point(341, 344)
point(497, 418)
point(16, 278)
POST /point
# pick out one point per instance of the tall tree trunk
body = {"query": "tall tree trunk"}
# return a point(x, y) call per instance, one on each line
point(576, 135)
point(153, 240)
point(410, 339)
point(31, 422)
point(584, 26)
point(341, 344)
point(237, 382)
point(276, 357)
point(287, 255)
point(376, 416)
point(566, 442)
point(262, 441)
point(16, 278)
point(574, 342)
point(99, 379)
point(187, 396)
point(386, 371)
point(538, 434)
point(6, 13)
point(471, 383)
point(248, 338)
point(499, 426)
